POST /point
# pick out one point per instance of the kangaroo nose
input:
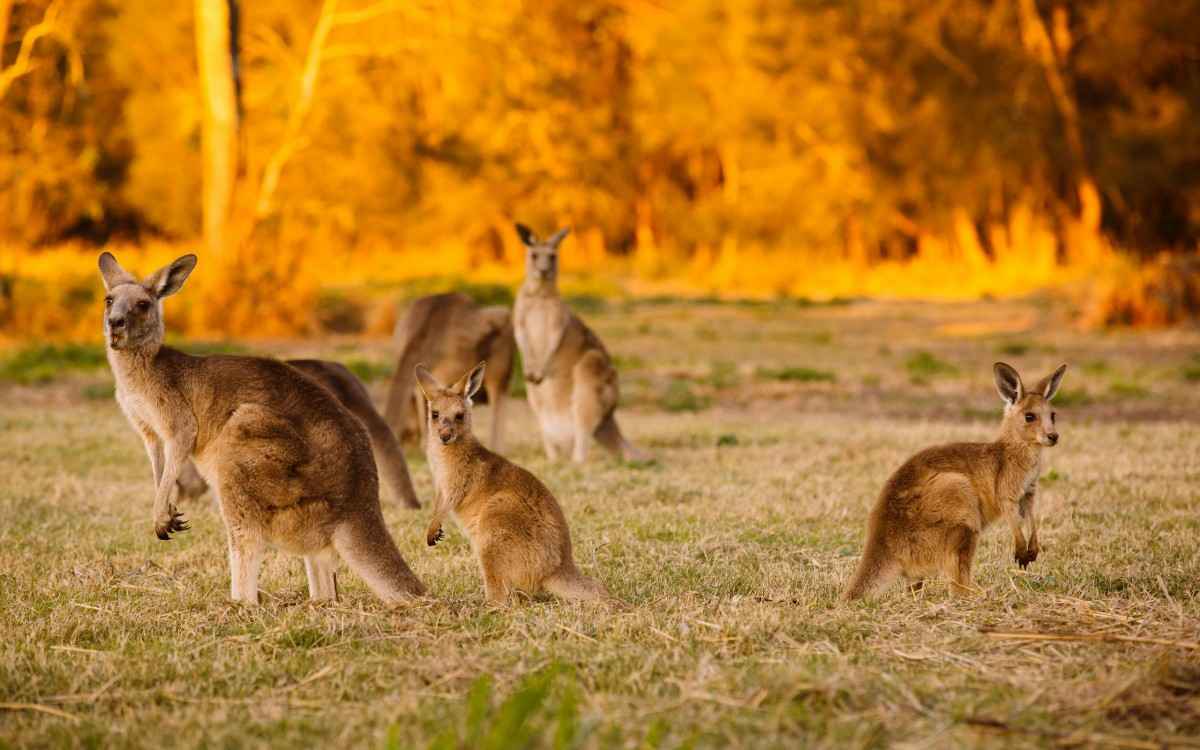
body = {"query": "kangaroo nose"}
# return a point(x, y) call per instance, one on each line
point(116, 323)
point(1053, 438)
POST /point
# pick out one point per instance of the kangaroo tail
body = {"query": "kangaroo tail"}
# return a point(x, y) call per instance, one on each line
point(875, 570)
point(389, 457)
point(609, 435)
point(569, 583)
point(364, 543)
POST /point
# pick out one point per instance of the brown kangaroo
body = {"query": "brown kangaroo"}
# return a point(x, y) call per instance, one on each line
point(570, 379)
point(515, 525)
point(290, 465)
point(933, 509)
point(454, 332)
point(338, 380)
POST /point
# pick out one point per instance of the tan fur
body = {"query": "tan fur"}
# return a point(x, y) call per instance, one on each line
point(570, 379)
point(516, 527)
point(452, 332)
point(291, 466)
point(338, 380)
point(931, 511)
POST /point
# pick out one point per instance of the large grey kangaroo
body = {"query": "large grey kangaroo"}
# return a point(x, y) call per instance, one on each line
point(290, 465)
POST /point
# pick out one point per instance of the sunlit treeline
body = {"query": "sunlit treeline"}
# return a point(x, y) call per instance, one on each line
point(769, 147)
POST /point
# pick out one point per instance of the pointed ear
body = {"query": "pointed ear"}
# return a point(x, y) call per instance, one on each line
point(1008, 383)
point(427, 382)
point(1048, 386)
point(112, 273)
point(558, 237)
point(166, 281)
point(470, 383)
point(526, 234)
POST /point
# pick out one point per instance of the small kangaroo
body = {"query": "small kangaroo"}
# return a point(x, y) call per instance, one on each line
point(290, 465)
point(515, 526)
point(932, 510)
point(338, 380)
point(571, 381)
point(455, 332)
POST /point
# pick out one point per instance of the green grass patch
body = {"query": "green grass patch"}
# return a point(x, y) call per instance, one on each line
point(1073, 397)
point(796, 375)
point(1014, 348)
point(45, 362)
point(368, 370)
point(1127, 389)
point(679, 397)
point(923, 365)
point(722, 375)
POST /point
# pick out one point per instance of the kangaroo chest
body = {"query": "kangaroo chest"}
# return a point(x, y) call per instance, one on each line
point(541, 320)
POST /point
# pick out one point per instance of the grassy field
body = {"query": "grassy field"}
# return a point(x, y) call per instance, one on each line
point(774, 427)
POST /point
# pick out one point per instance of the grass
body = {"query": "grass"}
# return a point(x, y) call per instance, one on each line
point(729, 551)
point(45, 362)
point(923, 366)
point(796, 375)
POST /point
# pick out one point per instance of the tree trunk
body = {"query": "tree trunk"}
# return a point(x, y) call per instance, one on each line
point(214, 56)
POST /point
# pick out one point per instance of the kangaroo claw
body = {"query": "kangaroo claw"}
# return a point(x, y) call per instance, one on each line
point(433, 538)
point(175, 523)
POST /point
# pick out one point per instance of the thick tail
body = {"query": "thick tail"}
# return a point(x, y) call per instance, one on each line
point(609, 435)
point(389, 457)
point(569, 583)
point(875, 570)
point(367, 547)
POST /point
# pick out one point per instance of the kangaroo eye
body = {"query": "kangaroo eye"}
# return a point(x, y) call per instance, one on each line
point(1030, 416)
point(108, 301)
point(143, 305)
point(1053, 416)
point(433, 414)
point(458, 417)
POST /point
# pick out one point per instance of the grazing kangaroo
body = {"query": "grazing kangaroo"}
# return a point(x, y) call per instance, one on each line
point(932, 510)
point(570, 379)
point(516, 527)
point(454, 332)
point(338, 380)
point(290, 465)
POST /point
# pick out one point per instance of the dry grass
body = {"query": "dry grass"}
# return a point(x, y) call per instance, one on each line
point(730, 550)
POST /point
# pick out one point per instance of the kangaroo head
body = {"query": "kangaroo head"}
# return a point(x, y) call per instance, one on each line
point(541, 256)
point(450, 407)
point(133, 309)
point(1027, 413)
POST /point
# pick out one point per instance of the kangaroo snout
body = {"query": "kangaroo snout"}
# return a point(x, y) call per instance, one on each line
point(1052, 437)
point(116, 323)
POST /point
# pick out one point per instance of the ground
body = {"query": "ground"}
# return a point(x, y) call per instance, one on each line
point(773, 426)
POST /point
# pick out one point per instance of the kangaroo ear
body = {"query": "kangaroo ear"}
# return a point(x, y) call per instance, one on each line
point(558, 237)
point(166, 281)
point(112, 273)
point(1048, 386)
point(1008, 382)
point(470, 383)
point(528, 238)
point(427, 382)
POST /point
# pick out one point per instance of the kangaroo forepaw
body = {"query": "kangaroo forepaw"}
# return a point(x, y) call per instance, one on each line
point(433, 537)
point(174, 523)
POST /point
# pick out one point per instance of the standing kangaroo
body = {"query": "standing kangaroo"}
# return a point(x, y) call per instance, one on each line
point(516, 527)
point(571, 381)
point(932, 510)
point(338, 380)
point(454, 332)
point(291, 466)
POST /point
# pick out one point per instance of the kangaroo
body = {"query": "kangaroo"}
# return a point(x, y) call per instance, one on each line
point(932, 510)
point(515, 526)
point(290, 465)
point(338, 380)
point(570, 379)
point(453, 331)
